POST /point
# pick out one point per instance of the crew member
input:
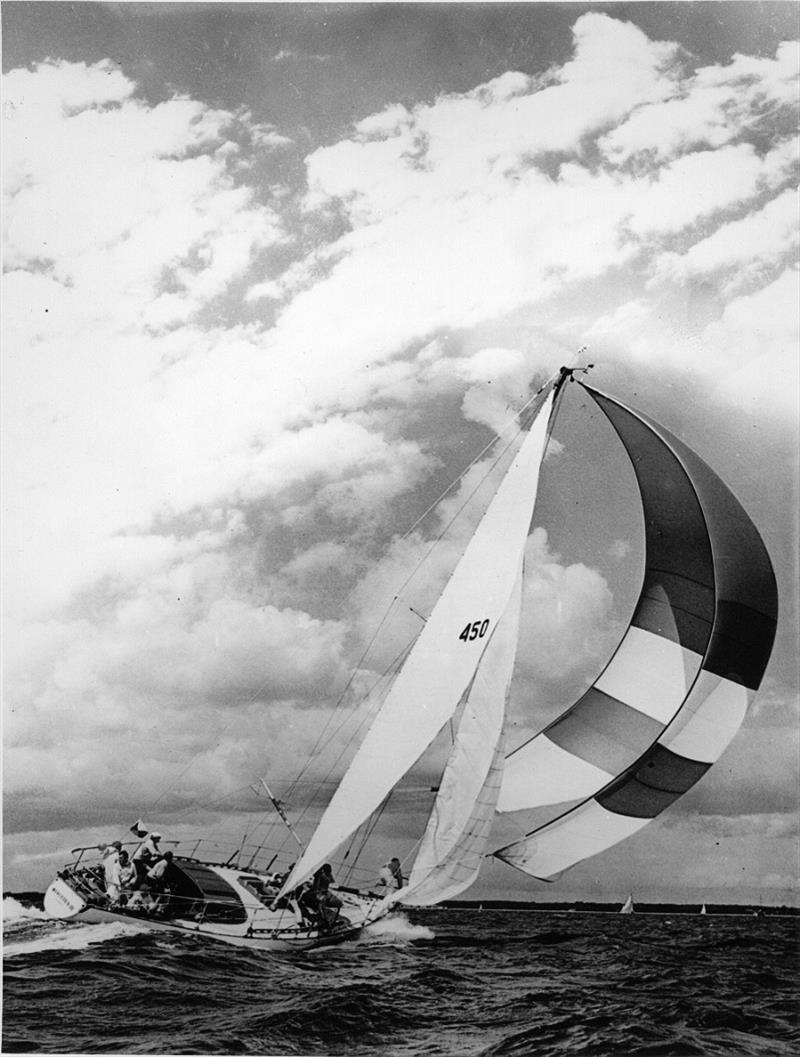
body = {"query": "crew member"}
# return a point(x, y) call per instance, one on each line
point(157, 882)
point(126, 873)
point(145, 856)
point(328, 905)
point(391, 875)
point(109, 860)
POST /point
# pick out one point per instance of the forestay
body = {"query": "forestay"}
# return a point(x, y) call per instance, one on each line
point(677, 690)
point(445, 656)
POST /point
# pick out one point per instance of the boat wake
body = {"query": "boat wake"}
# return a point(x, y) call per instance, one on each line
point(56, 936)
point(396, 928)
point(15, 913)
point(28, 930)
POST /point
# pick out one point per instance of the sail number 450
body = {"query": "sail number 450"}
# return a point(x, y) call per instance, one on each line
point(473, 631)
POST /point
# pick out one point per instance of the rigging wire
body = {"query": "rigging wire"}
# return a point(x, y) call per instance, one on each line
point(497, 459)
point(395, 601)
point(398, 660)
point(357, 667)
point(369, 829)
point(322, 737)
point(515, 420)
point(395, 665)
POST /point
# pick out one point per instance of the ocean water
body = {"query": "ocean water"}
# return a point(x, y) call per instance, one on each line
point(444, 982)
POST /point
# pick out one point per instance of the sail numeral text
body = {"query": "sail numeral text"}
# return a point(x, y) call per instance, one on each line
point(473, 631)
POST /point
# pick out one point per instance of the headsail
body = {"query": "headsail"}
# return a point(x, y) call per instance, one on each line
point(457, 834)
point(445, 656)
point(678, 687)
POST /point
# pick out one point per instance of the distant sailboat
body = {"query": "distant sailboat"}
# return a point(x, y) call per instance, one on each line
point(703, 909)
point(627, 906)
point(661, 712)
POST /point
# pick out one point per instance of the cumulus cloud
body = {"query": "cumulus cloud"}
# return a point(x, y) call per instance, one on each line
point(567, 622)
point(741, 250)
point(154, 224)
point(756, 339)
point(485, 201)
point(699, 184)
point(709, 108)
point(743, 351)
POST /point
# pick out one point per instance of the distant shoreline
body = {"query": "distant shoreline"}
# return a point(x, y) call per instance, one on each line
point(712, 909)
point(613, 908)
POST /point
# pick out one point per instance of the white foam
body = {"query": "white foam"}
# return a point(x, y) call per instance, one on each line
point(393, 929)
point(73, 938)
point(14, 911)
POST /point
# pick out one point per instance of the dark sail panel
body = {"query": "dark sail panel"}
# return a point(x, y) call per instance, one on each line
point(746, 592)
point(678, 561)
point(658, 780)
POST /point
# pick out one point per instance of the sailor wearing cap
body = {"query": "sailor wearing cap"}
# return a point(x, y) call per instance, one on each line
point(149, 848)
point(145, 855)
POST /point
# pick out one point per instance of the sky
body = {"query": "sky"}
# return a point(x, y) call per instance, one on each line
point(273, 277)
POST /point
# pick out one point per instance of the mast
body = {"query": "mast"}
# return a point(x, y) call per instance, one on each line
point(442, 664)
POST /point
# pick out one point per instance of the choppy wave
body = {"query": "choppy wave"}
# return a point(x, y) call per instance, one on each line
point(414, 985)
point(68, 937)
point(15, 912)
point(396, 928)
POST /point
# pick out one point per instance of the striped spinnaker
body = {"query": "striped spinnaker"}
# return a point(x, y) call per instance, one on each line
point(677, 689)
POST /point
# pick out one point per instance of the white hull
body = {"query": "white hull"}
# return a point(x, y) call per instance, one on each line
point(290, 941)
point(258, 926)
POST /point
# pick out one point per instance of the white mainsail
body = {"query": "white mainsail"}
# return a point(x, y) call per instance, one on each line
point(627, 906)
point(458, 829)
point(445, 656)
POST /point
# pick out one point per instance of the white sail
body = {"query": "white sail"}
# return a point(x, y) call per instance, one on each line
point(445, 657)
point(627, 906)
point(458, 829)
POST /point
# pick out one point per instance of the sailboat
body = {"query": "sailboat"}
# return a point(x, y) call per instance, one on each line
point(661, 712)
point(627, 906)
point(703, 909)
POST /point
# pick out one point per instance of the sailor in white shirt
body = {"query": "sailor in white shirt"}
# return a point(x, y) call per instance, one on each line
point(145, 855)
